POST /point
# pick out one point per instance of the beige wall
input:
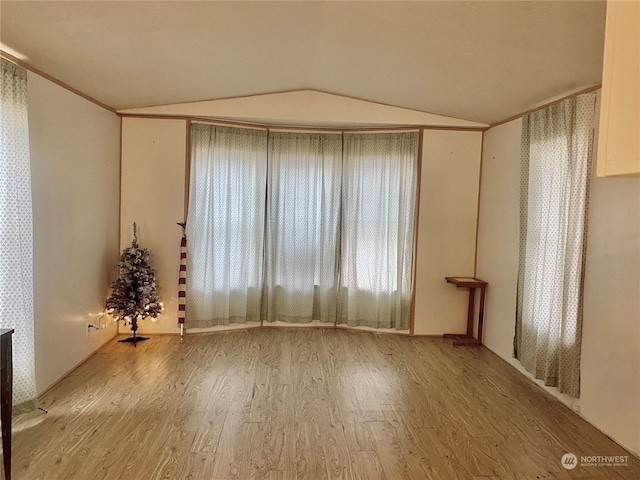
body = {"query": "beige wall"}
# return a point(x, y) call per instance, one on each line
point(447, 228)
point(610, 366)
point(499, 233)
point(74, 176)
point(153, 178)
point(153, 169)
point(610, 373)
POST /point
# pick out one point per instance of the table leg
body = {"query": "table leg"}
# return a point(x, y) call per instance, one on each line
point(6, 382)
point(470, 312)
point(481, 313)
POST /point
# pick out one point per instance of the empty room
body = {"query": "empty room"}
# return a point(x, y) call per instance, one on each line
point(320, 240)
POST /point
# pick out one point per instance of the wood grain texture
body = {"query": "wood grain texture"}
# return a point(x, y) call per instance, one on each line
point(314, 404)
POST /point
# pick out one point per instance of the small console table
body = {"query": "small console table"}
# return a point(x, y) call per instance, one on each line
point(6, 398)
point(471, 283)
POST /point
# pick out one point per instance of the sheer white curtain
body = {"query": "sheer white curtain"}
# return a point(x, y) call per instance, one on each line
point(337, 244)
point(378, 202)
point(557, 145)
point(303, 208)
point(225, 227)
point(16, 232)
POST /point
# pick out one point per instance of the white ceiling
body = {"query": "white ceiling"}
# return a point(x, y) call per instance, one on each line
point(481, 61)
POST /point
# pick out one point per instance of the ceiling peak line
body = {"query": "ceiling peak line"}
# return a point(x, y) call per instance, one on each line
point(302, 90)
point(120, 111)
point(46, 76)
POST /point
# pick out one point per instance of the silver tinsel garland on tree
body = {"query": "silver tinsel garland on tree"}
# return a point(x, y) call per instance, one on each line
point(134, 293)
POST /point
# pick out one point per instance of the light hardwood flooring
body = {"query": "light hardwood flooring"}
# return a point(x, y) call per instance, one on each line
point(303, 404)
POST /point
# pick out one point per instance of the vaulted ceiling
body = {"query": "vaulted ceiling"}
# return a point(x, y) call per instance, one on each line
point(482, 61)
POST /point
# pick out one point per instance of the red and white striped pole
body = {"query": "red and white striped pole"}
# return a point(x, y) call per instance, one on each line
point(182, 282)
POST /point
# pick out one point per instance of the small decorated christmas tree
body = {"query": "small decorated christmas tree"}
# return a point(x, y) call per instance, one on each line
point(134, 295)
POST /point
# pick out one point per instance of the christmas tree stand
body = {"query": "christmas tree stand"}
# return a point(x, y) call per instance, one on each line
point(134, 339)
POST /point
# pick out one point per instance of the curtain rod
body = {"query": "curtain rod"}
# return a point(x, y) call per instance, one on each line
point(547, 105)
point(329, 131)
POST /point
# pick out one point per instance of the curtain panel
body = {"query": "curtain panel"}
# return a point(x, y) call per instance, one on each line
point(300, 227)
point(226, 225)
point(16, 232)
point(378, 198)
point(557, 149)
point(302, 232)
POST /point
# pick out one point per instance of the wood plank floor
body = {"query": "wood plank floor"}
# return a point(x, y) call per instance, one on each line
point(303, 404)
